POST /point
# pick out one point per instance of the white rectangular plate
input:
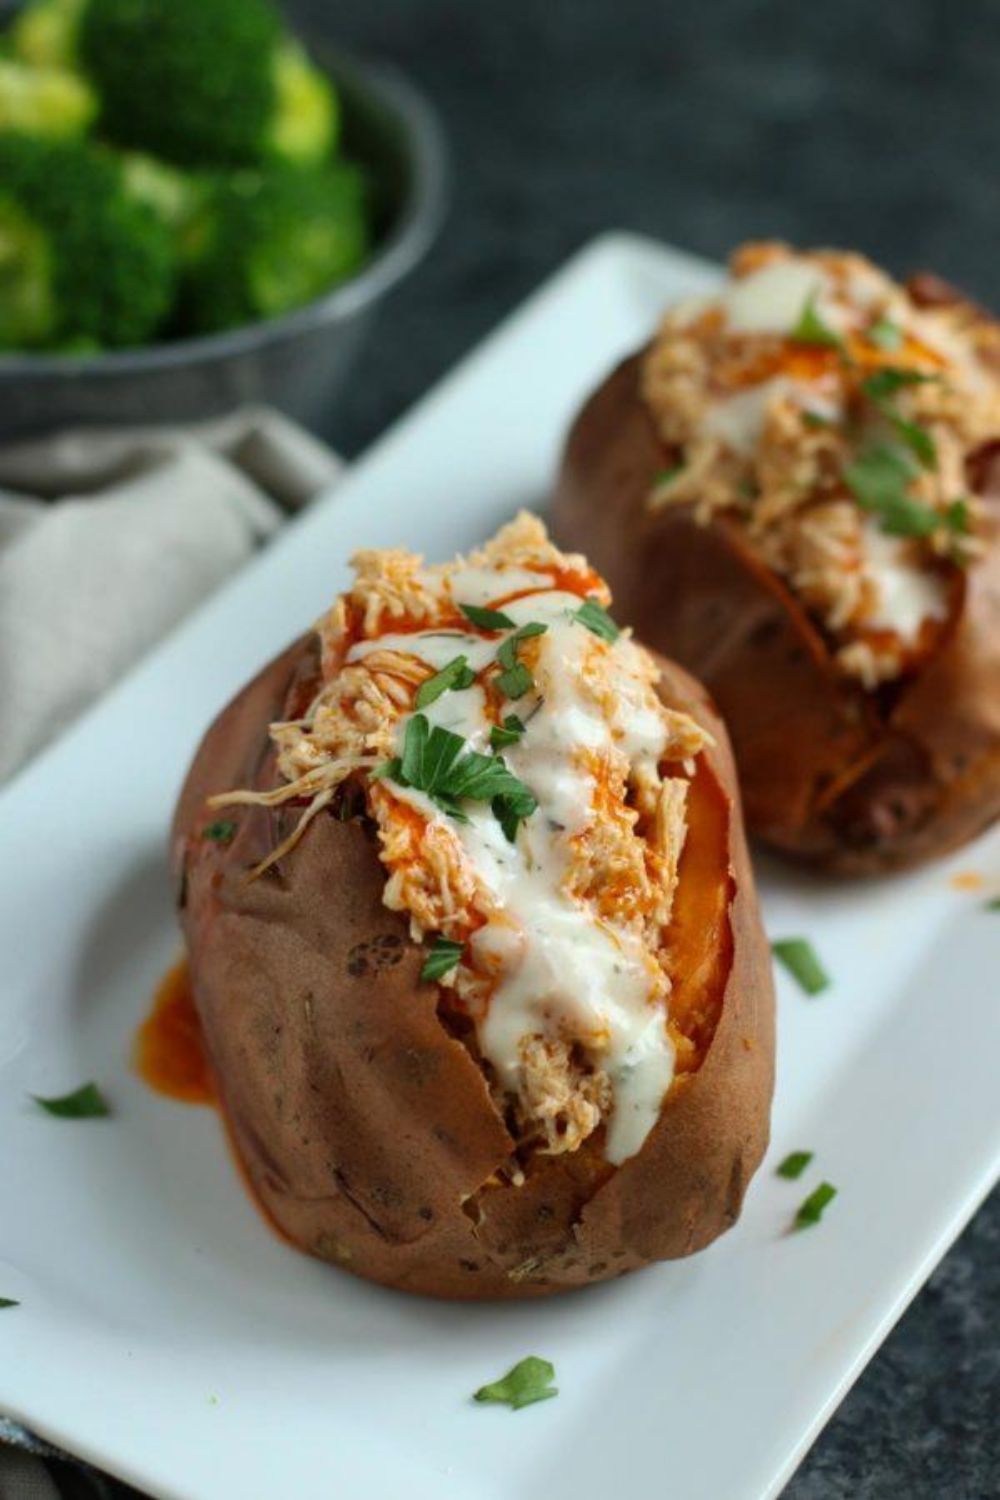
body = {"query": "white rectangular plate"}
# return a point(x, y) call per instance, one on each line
point(166, 1335)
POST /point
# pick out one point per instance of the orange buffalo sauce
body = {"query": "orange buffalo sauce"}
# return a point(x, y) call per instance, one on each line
point(170, 1057)
point(169, 1051)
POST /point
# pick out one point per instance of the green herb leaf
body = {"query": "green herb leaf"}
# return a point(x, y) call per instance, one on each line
point(441, 959)
point(487, 619)
point(916, 438)
point(811, 1211)
point(389, 770)
point(794, 1165)
point(433, 762)
point(666, 475)
point(85, 1103)
point(529, 1381)
point(8, 1302)
point(508, 733)
point(886, 382)
point(810, 329)
point(816, 420)
point(993, 904)
point(221, 832)
point(456, 674)
point(799, 958)
point(597, 619)
point(956, 517)
point(507, 654)
point(880, 389)
point(878, 479)
point(885, 334)
point(516, 681)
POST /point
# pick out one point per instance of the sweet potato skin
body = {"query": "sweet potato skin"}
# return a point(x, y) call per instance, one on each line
point(829, 773)
point(366, 1128)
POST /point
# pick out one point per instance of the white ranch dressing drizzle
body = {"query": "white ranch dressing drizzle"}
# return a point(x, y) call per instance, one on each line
point(906, 596)
point(562, 973)
point(772, 299)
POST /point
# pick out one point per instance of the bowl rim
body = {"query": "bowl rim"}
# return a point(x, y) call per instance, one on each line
point(417, 224)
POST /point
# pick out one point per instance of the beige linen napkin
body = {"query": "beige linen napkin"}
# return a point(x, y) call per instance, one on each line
point(108, 538)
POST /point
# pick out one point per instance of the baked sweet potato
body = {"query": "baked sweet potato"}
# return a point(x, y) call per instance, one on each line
point(383, 1118)
point(739, 481)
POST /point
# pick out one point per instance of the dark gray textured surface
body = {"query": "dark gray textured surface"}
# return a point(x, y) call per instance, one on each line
point(706, 123)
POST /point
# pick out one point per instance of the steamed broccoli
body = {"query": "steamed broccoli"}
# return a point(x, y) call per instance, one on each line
point(194, 81)
point(82, 264)
point(173, 195)
point(44, 101)
point(44, 33)
point(268, 241)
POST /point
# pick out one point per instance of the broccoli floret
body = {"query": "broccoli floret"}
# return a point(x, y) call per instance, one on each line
point(195, 81)
point(44, 101)
point(173, 195)
point(268, 241)
point(45, 32)
point(82, 264)
point(306, 117)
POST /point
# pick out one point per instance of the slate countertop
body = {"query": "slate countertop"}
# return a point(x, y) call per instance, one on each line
point(706, 122)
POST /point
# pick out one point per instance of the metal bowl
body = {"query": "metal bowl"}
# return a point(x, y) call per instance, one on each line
point(296, 362)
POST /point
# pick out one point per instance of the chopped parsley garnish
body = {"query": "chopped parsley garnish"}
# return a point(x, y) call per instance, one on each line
point(886, 382)
point(529, 1381)
point(885, 334)
point(878, 479)
point(221, 832)
point(456, 674)
point(597, 619)
point(816, 420)
point(85, 1103)
point(799, 958)
point(487, 619)
point(8, 1302)
point(507, 733)
point(811, 1210)
point(956, 517)
point(794, 1165)
point(515, 680)
point(665, 476)
point(811, 329)
point(880, 388)
point(433, 762)
point(441, 959)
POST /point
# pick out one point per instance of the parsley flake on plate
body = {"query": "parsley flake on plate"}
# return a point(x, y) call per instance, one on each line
point(794, 1165)
point(799, 958)
point(811, 1209)
point(84, 1103)
point(529, 1381)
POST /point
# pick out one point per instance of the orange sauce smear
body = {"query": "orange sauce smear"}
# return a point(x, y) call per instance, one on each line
point(169, 1051)
point(170, 1058)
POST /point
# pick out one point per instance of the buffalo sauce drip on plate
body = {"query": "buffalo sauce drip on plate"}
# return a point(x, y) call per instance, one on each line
point(170, 1057)
point(169, 1048)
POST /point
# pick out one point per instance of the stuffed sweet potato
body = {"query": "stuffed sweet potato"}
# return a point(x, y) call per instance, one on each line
point(794, 490)
point(477, 955)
